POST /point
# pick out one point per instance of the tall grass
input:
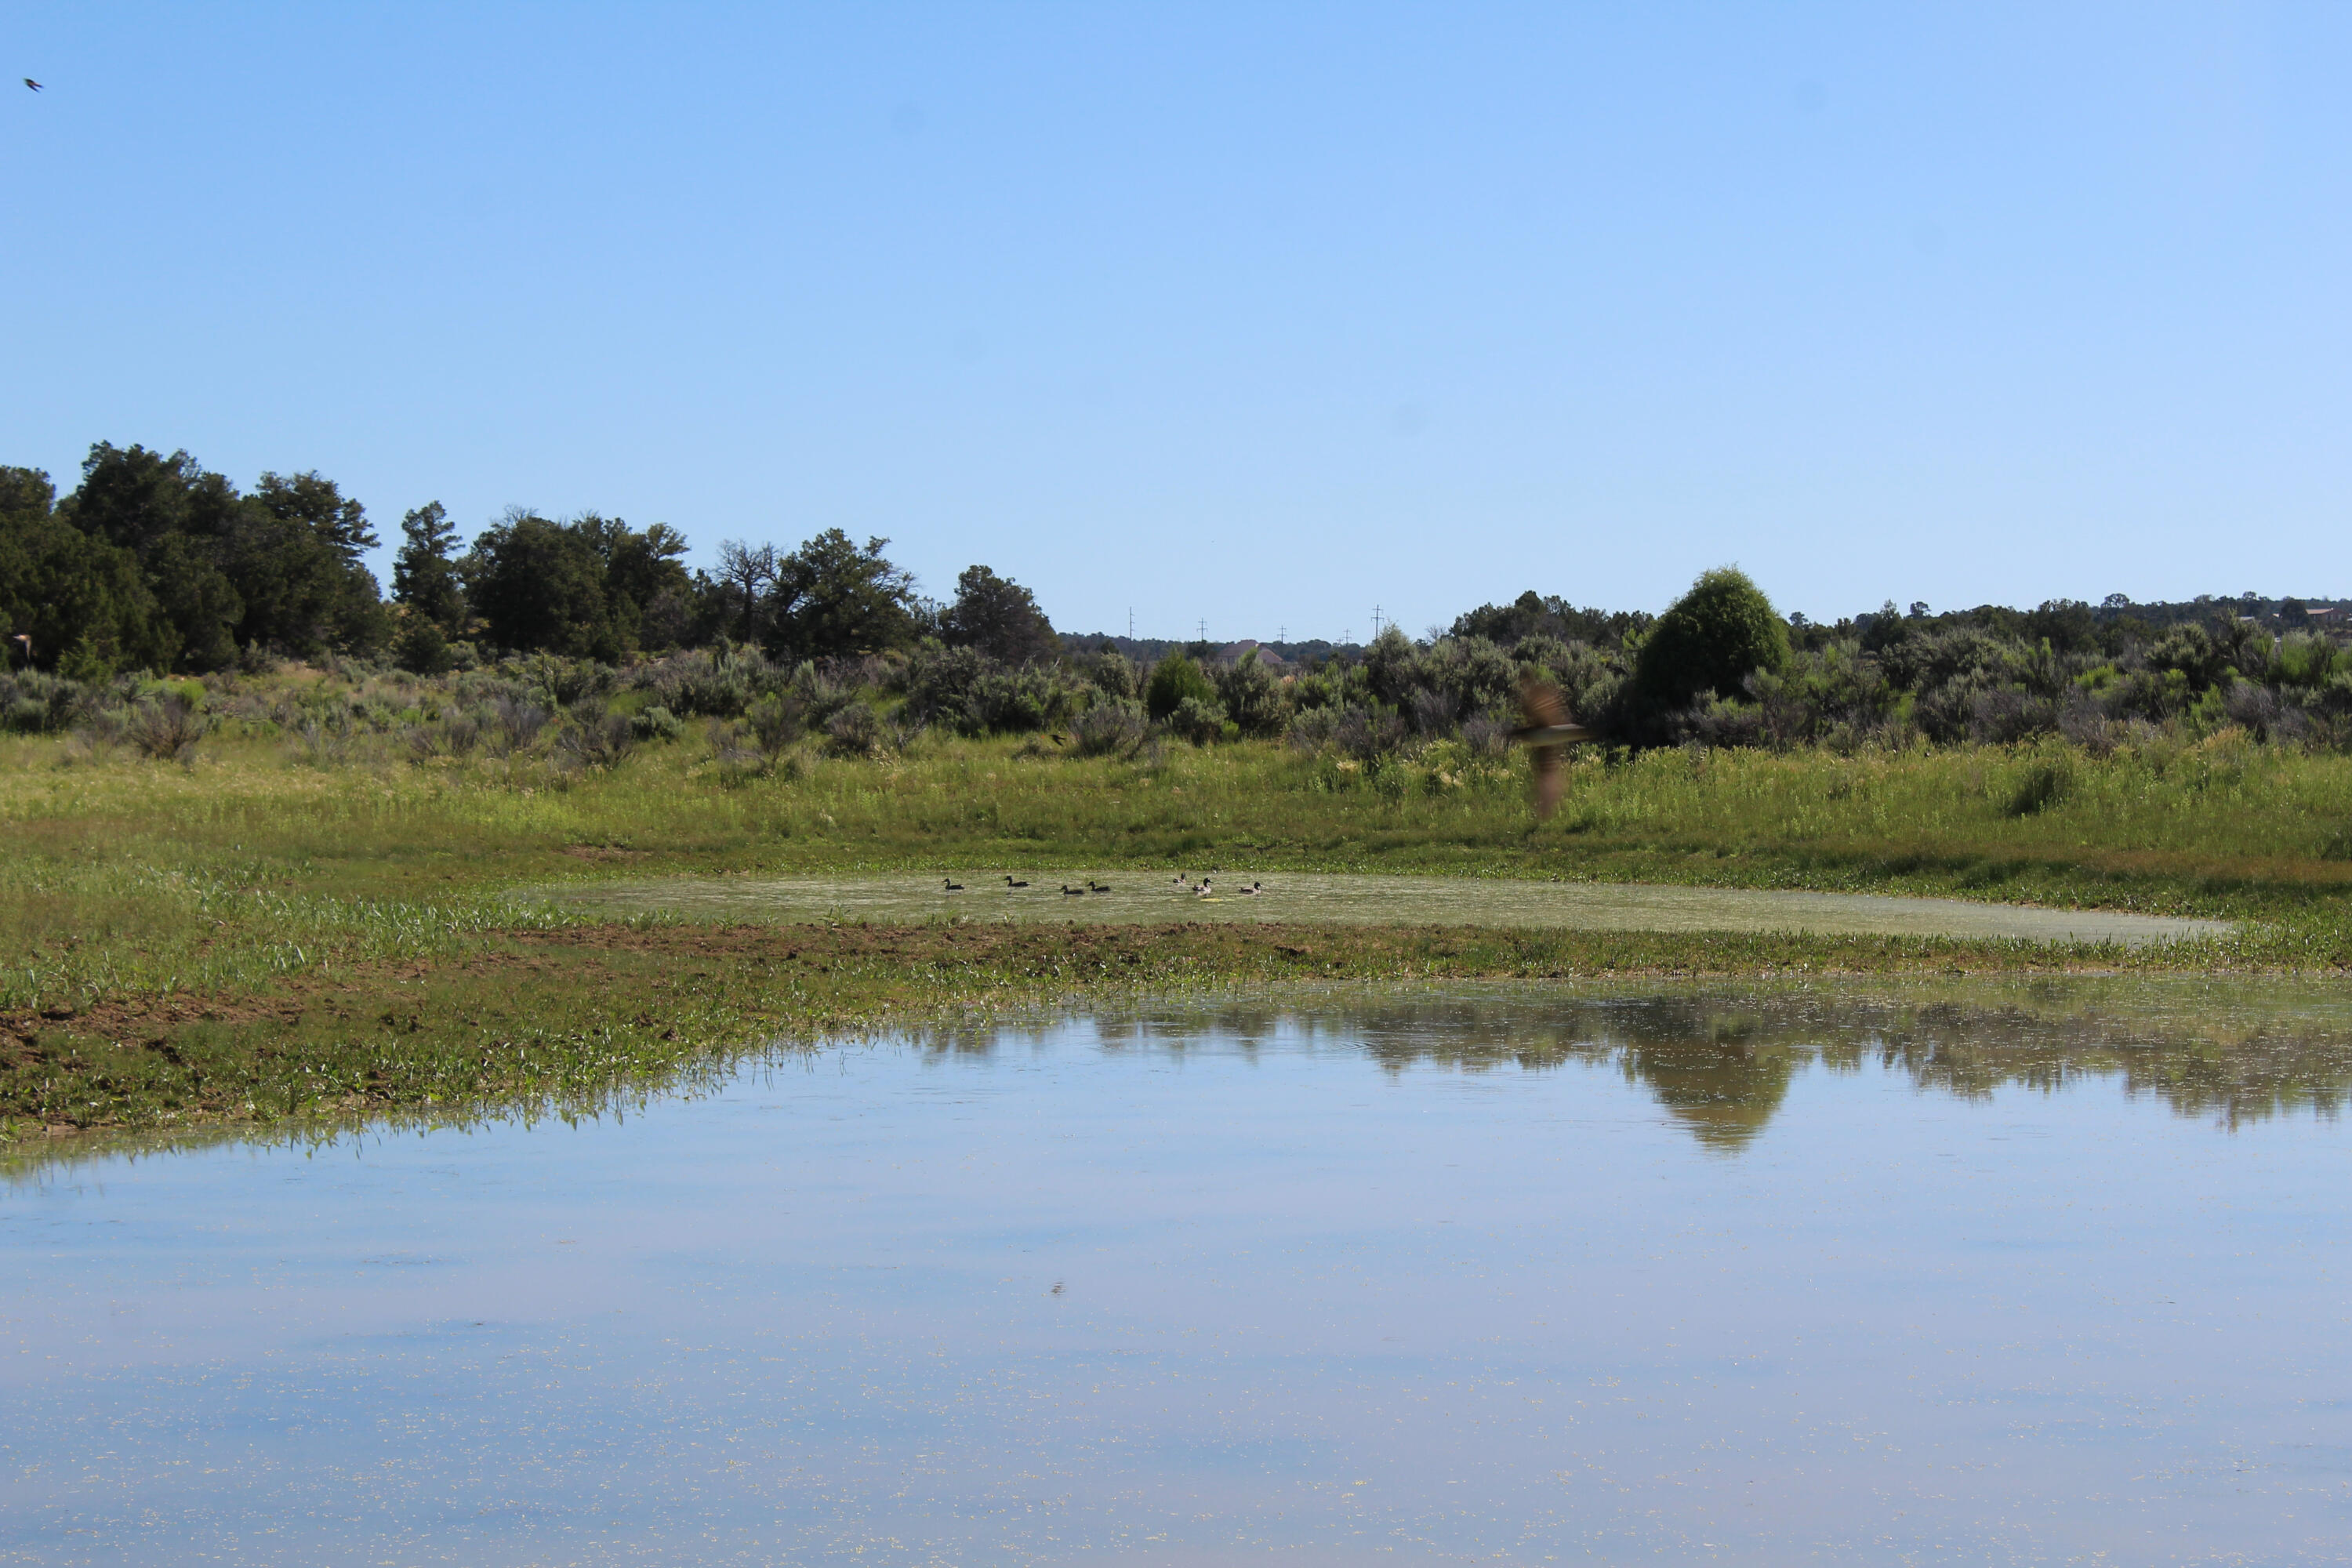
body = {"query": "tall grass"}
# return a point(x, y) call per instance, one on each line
point(121, 874)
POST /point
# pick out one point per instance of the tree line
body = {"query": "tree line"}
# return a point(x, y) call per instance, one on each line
point(154, 563)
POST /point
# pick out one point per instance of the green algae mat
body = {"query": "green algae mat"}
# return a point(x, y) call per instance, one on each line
point(1149, 898)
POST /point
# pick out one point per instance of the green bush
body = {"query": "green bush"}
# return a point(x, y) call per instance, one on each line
point(1175, 680)
point(854, 732)
point(1197, 721)
point(656, 724)
point(1108, 729)
point(1251, 696)
point(421, 648)
point(1710, 640)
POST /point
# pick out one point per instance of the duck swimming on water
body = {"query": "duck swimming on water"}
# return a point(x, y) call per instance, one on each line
point(1011, 883)
point(1070, 892)
point(953, 886)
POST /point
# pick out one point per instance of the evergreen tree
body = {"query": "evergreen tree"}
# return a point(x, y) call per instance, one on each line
point(65, 590)
point(425, 573)
point(834, 598)
point(998, 616)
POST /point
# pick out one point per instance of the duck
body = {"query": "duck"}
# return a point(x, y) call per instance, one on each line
point(1011, 883)
point(1251, 891)
point(1181, 882)
point(1095, 887)
point(1203, 890)
point(953, 886)
point(1070, 892)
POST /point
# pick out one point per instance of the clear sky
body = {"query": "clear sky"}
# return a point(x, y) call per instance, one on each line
point(1259, 314)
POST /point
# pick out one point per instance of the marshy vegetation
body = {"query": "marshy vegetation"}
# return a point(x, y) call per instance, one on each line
point(232, 774)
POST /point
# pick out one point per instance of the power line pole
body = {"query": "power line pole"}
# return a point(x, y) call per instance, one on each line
point(1376, 623)
point(1204, 628)
point(1131, 623)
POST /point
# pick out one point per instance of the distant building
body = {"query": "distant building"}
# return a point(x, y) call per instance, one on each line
point(1265, 656)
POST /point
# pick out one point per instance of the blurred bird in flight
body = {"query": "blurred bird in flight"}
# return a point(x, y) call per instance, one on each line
point(1548, 733)
point(31, 83)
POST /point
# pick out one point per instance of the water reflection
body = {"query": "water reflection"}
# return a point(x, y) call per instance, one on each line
point(1719, 1060)
point(1762, 1274)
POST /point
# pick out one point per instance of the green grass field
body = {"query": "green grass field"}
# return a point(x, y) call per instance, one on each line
point(262, 912)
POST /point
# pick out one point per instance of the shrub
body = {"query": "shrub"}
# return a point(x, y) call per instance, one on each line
point(822, 694)
point(562, 683)
point(1108, 729)
point(1112, 675)
point(1433, 713)
point(1197, 721)
point(1251, 696)
point(597, 741)
point(1393, 667)
point(514, 725)
point(33, 704)
point(775, 722)
point(854, 732)
point(166, 728)
point(656, 723)
point(1015, 701)
point(1176, 680)
point(1480, 678)
point(1710, 640)
point(422, 649)
point(719, 684)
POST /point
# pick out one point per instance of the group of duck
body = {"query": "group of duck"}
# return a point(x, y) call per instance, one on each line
point(1200, 889)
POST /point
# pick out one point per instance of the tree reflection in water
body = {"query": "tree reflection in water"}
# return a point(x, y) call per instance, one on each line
point(1720, 1059)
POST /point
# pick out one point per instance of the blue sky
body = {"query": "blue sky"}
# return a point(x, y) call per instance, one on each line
point(1261, 315)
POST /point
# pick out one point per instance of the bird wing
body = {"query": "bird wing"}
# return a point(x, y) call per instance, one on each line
point(1548, 726)
point(31, 83)
point(1542, 704)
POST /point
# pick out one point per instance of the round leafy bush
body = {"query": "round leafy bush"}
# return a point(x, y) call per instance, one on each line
point(1174, 681)
point(1710, 640)
point(1252, 697)
point(657, 724)
point(421, 648)
point(1198, 721)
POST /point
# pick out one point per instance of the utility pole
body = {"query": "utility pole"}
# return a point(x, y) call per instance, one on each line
point(1131, 623)
point(1376, 623)
point(1204, 628)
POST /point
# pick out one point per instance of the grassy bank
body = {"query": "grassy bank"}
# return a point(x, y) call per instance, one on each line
point(563, 1018)
point(262, 910)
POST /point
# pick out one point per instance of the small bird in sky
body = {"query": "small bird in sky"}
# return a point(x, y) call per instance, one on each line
point(31, 83)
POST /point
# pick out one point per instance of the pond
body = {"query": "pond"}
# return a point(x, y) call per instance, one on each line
point(1933, 1273)
point(1144, 896)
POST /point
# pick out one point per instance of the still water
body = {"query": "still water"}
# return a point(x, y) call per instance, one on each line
point(1521, 1275)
